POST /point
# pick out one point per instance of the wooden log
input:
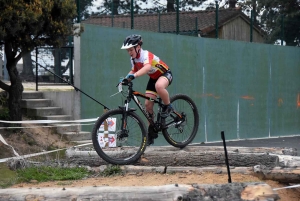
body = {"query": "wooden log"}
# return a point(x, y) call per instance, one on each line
point(182, 158)
point(288, 161)
point(283, 175)
point(270, 150)
point(218, 192)
point(186, 169)
point(185, 158)
point(88, 151)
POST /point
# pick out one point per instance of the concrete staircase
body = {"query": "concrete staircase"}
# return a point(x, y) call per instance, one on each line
point(36, 107)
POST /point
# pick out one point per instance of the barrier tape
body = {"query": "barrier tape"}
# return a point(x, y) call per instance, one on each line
point(294, 186)
point(17, 156)
point(58, 125)
point(4, 142)
point(48, 121)
point(29, 155)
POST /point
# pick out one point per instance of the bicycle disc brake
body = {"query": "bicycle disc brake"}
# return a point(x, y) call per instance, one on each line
point(122, 135)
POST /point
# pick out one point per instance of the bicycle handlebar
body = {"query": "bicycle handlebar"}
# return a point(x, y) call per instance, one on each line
point(126, 82)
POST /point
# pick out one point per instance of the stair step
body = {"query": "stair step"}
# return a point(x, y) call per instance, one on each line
point(78, 136)
point(55, 117)
point(32, 95)
point(42, 111)
point(35, 106)
point(34, 103)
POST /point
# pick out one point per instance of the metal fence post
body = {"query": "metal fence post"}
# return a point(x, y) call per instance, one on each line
point(177, 17)
point(71, 59)
point(36, 69)
point(112, 13)
point(78, 11)
point(251, 26)
point(158, 21)
point(217, 20)
point(282, 29)
point(131, 10)
point(196, 26)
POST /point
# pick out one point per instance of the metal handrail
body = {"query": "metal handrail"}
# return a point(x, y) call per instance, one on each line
point(76, 88)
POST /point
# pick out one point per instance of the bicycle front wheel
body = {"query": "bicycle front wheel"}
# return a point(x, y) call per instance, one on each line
point(116, 145)
point(182, 124)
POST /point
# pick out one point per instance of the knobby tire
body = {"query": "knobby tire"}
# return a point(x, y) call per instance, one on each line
point(128, 149)
point(182, 104)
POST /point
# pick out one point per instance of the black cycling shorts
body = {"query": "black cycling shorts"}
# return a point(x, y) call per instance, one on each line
point(151, 82)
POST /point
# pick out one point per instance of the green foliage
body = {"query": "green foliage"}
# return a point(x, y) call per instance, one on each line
point(27, 24)
point(112, 171)
point(82, 8)
point(3, 99)
point(4, 113)
point(42, 174)
point(124, 7)
point(279, 18)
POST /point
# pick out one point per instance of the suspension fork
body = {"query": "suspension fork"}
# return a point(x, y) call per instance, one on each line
point(124, 116)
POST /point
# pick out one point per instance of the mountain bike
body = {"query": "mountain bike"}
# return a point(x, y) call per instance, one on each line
point(120, 136)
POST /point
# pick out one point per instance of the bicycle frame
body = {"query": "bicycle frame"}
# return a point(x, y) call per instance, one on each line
point(134, 95)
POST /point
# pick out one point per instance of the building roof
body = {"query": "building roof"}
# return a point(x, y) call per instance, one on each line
point(202, 21)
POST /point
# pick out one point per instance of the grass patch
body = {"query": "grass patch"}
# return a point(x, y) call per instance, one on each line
point(42, 174)
point(8, 177)
point(7, 183)
point(112, 171)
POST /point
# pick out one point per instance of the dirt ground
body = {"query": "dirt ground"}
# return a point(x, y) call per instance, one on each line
point(33, 139)
point(36, 139)
point(157, 179)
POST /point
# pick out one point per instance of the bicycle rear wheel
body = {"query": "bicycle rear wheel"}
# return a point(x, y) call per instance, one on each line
point(116, 146)
point(182, 130)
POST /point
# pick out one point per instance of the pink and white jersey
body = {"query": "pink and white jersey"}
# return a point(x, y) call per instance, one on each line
point(158, 67)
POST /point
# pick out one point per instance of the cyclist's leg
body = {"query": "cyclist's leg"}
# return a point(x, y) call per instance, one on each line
point(151, 92)
point(161, 87)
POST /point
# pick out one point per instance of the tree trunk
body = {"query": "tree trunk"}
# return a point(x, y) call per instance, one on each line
point(15, 90)
point(170, 6)
point(115, 7)
point(27, 73)
point(15, 94)
point(218, 192)
point(232, 3)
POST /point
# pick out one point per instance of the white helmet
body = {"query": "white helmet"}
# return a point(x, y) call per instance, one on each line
point(131, 41)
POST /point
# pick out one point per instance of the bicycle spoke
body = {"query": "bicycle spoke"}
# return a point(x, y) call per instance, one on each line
point(183, 126)
point(119, 146)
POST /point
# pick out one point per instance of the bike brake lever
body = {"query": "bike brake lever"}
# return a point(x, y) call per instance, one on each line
point(120, 89)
